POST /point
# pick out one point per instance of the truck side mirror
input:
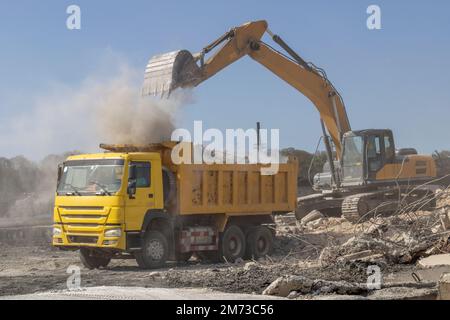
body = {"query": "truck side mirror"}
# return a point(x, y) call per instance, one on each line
point(60, 172)
point(131, 188)
point(132, 175)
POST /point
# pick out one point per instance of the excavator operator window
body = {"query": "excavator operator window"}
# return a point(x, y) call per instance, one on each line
point(353, 158)
point(389, 150)
point(374, 156)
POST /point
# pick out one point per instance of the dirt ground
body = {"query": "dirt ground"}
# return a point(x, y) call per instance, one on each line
point(30, 269)
point(34, 268)
point(37, 267)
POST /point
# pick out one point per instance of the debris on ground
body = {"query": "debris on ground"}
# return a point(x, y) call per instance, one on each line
point(326, 260)
point(312, 217)
point(397, 239)
point(435, 261)
point(444, 286)
point(298, 286)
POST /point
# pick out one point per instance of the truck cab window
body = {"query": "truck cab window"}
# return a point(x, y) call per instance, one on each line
point(142, 174)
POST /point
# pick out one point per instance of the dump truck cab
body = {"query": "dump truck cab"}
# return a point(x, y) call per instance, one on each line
point(102, 198)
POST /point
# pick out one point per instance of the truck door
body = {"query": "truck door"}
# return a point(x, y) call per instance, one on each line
point(143, 200)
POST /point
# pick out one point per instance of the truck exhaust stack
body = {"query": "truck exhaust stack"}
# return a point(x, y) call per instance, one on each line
point(166, 72)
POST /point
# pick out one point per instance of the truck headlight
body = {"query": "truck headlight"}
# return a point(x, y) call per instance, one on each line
point(113, 233)
point(56, 231)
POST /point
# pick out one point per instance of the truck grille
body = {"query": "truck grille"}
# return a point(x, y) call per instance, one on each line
point(83, 239)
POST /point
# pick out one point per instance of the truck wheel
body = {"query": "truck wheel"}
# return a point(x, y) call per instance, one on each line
point(259, 242)
point(154, 251)
point(232, 244)
point(91, 260)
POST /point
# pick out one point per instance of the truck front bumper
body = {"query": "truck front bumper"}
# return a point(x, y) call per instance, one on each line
point(109, 236)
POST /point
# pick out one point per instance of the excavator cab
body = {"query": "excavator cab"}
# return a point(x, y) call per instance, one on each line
point(365, 154)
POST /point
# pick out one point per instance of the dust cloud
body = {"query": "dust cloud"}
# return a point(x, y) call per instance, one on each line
point(99, 110)
point(27, 189)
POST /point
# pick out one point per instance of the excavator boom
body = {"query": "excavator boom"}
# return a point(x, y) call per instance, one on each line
point(181, 69)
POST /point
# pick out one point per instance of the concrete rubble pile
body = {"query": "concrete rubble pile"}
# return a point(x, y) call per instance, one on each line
point(397, 239)
point(295, 287)
point(404, 238)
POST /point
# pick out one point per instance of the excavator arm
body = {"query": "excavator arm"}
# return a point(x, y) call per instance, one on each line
point(317, 89)
point(173, 70)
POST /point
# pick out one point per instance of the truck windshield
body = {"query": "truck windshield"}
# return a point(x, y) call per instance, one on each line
point(353, 159)
point(87, 177)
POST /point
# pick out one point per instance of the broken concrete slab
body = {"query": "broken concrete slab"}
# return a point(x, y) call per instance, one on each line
point(356, 255)
point(404, 293)
point(250, 265)
point(312, 216)
point(315, 224)
point(283, 286)
point(336, 297)
point(444, 286)
point(435, 261)
point(292, 286)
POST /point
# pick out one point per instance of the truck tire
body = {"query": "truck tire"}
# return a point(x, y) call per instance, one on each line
point(259, 242)
point(92, 261)
point(232, 244)
point(154, 251)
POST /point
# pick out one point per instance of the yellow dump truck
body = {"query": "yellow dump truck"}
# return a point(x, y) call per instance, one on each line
point(134, 202)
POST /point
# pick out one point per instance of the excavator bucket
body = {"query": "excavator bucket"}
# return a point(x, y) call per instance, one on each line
point(169, 71)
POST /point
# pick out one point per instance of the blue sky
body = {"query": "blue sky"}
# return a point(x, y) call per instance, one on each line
point(397, 77)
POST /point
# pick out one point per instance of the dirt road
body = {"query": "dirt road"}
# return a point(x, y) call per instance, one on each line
point(36, 267)
point(138, 293)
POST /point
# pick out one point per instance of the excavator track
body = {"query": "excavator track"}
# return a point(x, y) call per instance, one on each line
point(362, 206)
point(355, 207)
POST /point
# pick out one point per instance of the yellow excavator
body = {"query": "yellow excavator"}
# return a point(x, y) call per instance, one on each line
point(367, 173)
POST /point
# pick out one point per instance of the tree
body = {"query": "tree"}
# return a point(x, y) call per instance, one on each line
point(306, 161)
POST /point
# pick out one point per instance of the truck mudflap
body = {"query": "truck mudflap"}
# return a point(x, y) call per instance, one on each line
point(198, 239)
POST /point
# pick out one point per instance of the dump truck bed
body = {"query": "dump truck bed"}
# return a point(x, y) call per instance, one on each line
point(236, 189)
